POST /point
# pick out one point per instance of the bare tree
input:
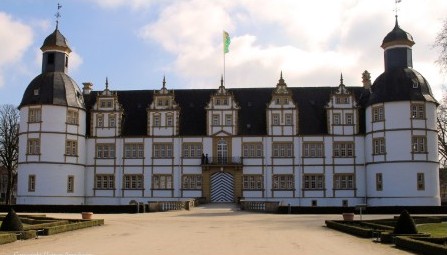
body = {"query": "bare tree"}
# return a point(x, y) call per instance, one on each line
point(441, 43)
point(9, 143)
point(442, 130)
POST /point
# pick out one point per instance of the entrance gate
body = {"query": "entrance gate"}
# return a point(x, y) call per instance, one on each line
point(222, 187)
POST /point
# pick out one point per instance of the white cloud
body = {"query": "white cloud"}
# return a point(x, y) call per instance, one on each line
point(311, 41)
point(133, 4)
point(15, 39)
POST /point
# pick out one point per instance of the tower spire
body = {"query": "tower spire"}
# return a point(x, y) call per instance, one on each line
point(58, 15)
point(107, 83)
point(164, 81)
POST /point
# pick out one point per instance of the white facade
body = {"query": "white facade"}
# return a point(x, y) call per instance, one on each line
point(337, 148)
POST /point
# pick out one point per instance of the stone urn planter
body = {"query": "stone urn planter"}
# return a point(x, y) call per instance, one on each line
point(348, 216)
point(87, 215)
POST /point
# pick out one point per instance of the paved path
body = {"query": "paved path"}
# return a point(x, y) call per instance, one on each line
point(212, 230)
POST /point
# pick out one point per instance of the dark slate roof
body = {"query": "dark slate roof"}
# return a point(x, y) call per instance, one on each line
point(252, 115)
point(399, 84)
point(397, 35)
point(56, 88)
point(55, 39)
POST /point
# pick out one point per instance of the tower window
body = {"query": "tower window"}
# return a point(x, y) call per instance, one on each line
point(50, 59)
point(66, 61)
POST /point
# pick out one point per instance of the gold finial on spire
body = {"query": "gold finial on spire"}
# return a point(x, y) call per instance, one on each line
point(58, 15)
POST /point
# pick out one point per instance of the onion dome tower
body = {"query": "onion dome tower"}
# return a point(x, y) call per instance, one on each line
point(52, 131)
point(401, 139)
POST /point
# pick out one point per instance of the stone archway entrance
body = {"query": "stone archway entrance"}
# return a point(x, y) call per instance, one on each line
point(222, 187)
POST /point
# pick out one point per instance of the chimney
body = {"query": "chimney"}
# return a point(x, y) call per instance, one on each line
point(366, 80)
point(87, 88)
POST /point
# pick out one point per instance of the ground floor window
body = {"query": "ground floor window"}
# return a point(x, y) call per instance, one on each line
point(133, 181)
point(162, 181)
point(421, 181)
point(313, 181)
point(70, 184)
point(192, 181)
point(344, 181)
point(379, 182)
point(253, 182)
point(283, 182)
point(105, 181)
point(31, 183)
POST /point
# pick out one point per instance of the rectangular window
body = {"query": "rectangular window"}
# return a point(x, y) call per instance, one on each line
point(313, 150)
point(343, 149)
point(162, 150)
point(252, 150)
point(378, 113)
point(192, 181)
point(71, 148)
point(275, 119)
point(344, 181)
point(417, 111)
point(379, 182)
point(282, 150)
point(100, 120)
point(252, 182)
point(192, 150)
point(104, 181)
point(70, 184)
point(162, 181)
point(288, 119)
point(133, 181)
point(218, 101)
point(33, 146)
point(342, 100)
point(283, 182)
point(349, 118)
point(112, 120)
point(105, 150)
point(72, 117)
point(34, 115)
point(421, 181)
point(31, 183)
point(169, 120)
point(313, 181)
point(157, 122)
point(216, 120)
point(379, 146)
point(228, 120)
point(336, 118)
point(419, 144)
point(133, 150)
point(106, 103)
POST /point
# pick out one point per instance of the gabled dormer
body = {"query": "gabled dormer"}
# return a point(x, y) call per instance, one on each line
point(282, 112)
point(163, 113)
point(342, 112)
point(222, 112)
point(106, 114)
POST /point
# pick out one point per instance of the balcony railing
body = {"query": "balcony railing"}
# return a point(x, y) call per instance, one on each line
point(222, 161)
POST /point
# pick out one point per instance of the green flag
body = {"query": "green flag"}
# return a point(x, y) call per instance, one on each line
point(226, 42)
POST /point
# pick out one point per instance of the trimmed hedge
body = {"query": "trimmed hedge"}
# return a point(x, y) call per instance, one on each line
point(350, 228)
point(105, 209)
point(389, 237)
point(72, 226)
point(368, 210)
point(417, 245)
point(46, 225)
point(7, 238)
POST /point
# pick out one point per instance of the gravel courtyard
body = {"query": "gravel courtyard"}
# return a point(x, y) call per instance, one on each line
point(210, 229)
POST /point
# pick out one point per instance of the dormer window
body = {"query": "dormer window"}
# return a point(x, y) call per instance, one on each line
point(275, 119)
point(286, 100)
point(36, 92)
point(225, 101)
point(277, 101)
point(106, 103)
point(218, 101)
point(342, 100)
point(160, 102)
point(156, 121)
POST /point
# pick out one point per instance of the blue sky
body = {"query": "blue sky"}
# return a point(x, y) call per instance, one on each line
point(136, 42)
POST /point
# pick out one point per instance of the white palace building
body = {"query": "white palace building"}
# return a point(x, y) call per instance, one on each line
point(374, 144)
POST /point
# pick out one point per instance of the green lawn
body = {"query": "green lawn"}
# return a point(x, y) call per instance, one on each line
point(435, 229)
